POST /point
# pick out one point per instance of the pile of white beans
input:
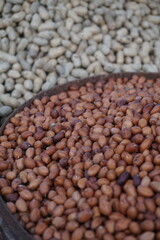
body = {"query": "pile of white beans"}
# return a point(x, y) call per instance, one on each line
point(48, 42)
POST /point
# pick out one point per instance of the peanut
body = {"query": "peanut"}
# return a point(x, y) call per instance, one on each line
point(105, 206)
point(145, 191)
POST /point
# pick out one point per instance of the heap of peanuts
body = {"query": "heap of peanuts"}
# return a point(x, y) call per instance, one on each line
point(85, 164)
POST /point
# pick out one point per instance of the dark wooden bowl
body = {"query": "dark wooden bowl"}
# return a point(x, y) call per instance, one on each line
point(10, 228)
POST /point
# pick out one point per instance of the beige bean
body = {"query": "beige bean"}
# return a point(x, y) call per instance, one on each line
point(77, 234)
point(105, 206)
point(26, 195)
point(93, 170)
point(21, 205)
point(145, 191)
point(84, 216)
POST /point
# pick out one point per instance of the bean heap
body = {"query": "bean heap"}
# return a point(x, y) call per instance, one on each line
point(85, 164)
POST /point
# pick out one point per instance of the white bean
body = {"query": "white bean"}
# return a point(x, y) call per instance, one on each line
point(69, 23)
point(8, 57)
point(48, 25)
point(63, 32)
point(8, 100)
point(28, 95)
point(72, 14)
point(36, 20)
point(130, 52)
point(13, 74)
point(12, 35)
point(76, 60)
point(37, 84)
point(56, 52)
point(22, 44)
point(79, 73)
point(120, 57)
point(110, 21)
point(5, 44)
point(9, 84)
point(62, 80)
point(47, 85)
point(154, 19)
point(43, 13)
point(75, 38)
point(20, 87)
point(108, 67)
point(28, 84)
point(4, 66)
point(17, 17)
point(67, 68)
point(149, 68)
point(100, 57)
point(84, 60)
point(16, 94)
point(80, 10)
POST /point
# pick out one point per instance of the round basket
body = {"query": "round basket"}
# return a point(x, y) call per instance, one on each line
point(10, 228)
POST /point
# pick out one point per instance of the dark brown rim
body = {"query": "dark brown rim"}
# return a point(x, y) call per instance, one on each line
point(10, 229)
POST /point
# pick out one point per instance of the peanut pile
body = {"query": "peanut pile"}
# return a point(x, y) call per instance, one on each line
point(85, 164)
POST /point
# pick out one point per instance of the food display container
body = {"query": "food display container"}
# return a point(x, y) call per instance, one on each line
point(10, 228)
